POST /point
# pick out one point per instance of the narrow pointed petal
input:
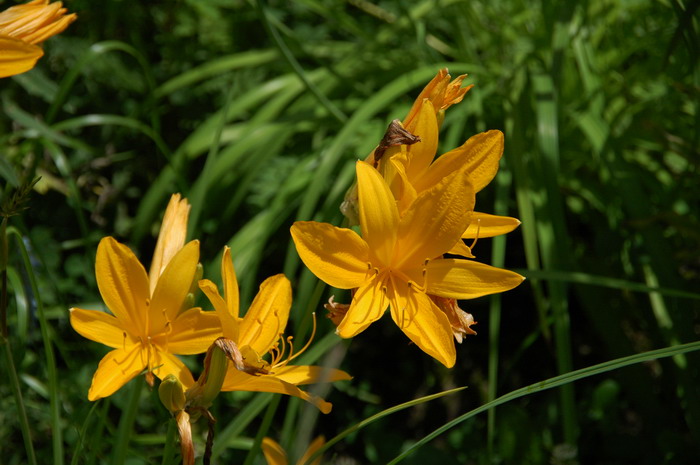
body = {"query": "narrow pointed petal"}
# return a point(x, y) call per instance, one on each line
point(116, 369)
point(173, 286)
point(266, 318)
point(193, 331)
point(436, 220)
point(423, 322)
point(123, 284)
point(433, 90)
point(100, 327)
point(480, 156)
point(467, 279)
point(368, 305)
point(229, 325)
point(379, 216)
point(17, 56)
point(485, 225)
point(166, 364)
point(315, 445)
point(171, 237)
point(403, 190)
point(240, 381)
point(338, 257)
point(307, 374)
point(228, 276)
point(421, 154)
point(273, 452)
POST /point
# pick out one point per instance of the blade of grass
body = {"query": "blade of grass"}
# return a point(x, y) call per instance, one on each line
point(552, 383)
point(604, 281)
point(294, 64)
point(17, 393)
point(378, 416)
point(54, 399)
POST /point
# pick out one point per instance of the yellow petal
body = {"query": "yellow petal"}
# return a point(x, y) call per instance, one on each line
point(379, 216)
point(423, 322)
point(123, 284)
point(165, 364)
point(35, 21)
point(479, 155)
point(193, 331)
point(467, 279)
point(265, 320)
point(172, 288)
point(228, 276)
point(485, 225)
point(17, 56)
point(421, 154)
point(435, 88)
point(401, 188)
point(100, 327)
point(50, 30)
point(339, 257)
point(435, 221)
point(229, 324)
point(116, 369)
point(315, 445)
point(273, 452)
point(368, 305)
point(460, 248)
point(171, 237)
point(307, 374)
point(241, 381)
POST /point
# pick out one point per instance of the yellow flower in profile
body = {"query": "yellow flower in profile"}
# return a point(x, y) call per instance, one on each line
point(275, 455)
point(409, 166)
point(398, 262)
point(147, 325)
point(259, 333)
point(22, 27)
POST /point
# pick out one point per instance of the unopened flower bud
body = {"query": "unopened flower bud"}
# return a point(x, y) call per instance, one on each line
point(171, 394)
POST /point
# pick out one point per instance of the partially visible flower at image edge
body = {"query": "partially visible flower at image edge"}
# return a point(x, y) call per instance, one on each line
point(147, 325)
point(275, 455)
point(23, 27)
point(260, 332)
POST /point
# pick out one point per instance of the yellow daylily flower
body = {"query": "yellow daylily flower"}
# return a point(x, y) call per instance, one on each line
point(398, 262)
point(22, 27)
point(147, 325)
point(275, 455)
point(258, 333)
point(145, 329)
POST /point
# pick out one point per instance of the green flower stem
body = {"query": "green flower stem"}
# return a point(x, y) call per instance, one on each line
point(17, 392)
point(126, 424)
point(56, 430)
point(169, 447)
point(83, 432)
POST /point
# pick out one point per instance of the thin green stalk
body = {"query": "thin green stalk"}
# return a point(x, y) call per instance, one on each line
point(552, 383)
point(17, 392)
point(83, 432)
point(378, 416)
point(169, 447)
point(498, 256)
point(56, 430)
point(262, 431)
point(126, 424)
